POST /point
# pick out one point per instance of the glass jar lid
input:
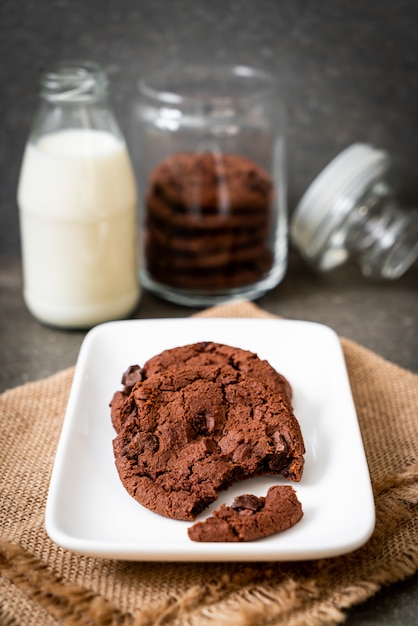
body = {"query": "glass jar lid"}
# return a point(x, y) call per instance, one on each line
point(332, 196)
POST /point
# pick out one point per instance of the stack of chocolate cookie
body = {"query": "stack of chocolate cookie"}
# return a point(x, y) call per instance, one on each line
point(207, 221)
point(198, 418)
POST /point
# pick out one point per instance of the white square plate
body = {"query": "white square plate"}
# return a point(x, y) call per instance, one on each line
point(88, 509)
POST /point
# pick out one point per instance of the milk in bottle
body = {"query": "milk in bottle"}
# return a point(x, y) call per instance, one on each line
point(77, 199)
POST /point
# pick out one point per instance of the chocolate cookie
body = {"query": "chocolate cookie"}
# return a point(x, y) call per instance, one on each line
point(208, 180)
point(196, 355)
point(211, 280)
point(178, 216)
point(192, 432)
point(197, 242)
point(250, 517)
point(215, 260)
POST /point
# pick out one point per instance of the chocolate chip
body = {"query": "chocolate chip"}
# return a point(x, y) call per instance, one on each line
point(132, 376)
point(247, 501)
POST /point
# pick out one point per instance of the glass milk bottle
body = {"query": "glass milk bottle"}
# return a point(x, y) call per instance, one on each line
point(77, 201)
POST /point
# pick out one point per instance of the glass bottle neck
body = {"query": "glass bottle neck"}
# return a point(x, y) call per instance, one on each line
point(74, 82)
point(74, 95)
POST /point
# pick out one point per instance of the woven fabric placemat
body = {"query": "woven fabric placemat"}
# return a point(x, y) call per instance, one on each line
point(43, 584)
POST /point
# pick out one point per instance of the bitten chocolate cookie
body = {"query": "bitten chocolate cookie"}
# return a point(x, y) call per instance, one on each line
point(192, 432)
point(250, 517)
point(195, 355)
point(208, 221)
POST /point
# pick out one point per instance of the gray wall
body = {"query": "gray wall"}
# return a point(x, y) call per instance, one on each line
point(348, 70)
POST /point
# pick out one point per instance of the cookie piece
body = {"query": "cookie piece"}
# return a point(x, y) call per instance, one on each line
point(195, 355)
point(192, 432)
point(250, 517)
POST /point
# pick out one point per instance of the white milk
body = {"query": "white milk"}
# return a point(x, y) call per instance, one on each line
point(77, 198)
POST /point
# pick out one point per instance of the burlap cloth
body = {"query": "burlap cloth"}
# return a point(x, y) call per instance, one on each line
point(42, 584)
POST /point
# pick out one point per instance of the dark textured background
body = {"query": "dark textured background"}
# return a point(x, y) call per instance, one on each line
point(348, 70)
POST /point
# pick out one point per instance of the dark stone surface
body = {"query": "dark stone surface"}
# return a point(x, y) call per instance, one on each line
point(348, 71)
point(380, 316)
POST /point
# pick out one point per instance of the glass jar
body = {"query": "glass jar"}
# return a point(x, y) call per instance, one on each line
point(211, 164)
point(77, 200)
point(351, 211)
